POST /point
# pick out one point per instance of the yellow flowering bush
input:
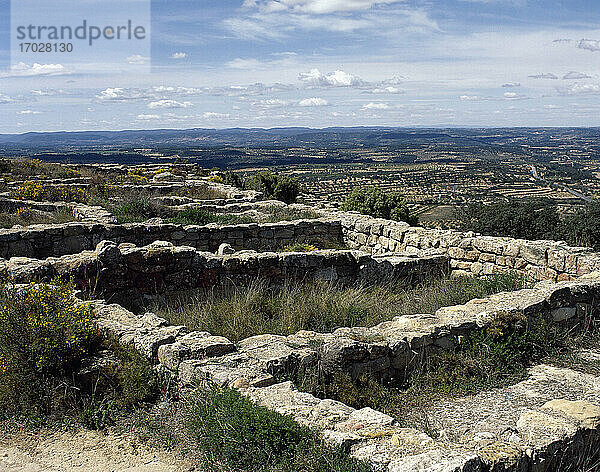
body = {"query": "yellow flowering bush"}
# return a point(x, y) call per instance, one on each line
point(216, 178)
point(300, 247)
point(41, 192)
point(43, 334)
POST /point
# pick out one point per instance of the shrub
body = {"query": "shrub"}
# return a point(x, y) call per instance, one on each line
point(276, 186)
point(44, 337)
point(26, 216)
point(527, 219)
point(216, 179)
point(379, 204)
point(43, 334)
point(135, 210)
point(583, 227)
point(40, 192)
point(233, 179)
point(236, 435)
point(300, 247)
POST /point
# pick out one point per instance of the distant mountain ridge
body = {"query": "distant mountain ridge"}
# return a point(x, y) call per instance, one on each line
point(287, 137)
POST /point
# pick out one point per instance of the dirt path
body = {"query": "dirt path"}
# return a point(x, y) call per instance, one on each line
point(82, 451)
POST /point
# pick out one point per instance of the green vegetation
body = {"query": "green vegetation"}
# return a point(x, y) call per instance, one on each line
point(41, 192)
point(241, 312)
point(228, 433)
point(45, 338)
point(379, 204)
point(495, 357)
point(27, 168)
point(275, 186)
point(25, 216)
point(534, 219)
point(277, 214)
point(192, 216)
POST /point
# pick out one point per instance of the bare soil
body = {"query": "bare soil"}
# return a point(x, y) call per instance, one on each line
point(82, 450)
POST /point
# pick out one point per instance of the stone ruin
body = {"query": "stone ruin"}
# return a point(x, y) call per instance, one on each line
point(552, 417)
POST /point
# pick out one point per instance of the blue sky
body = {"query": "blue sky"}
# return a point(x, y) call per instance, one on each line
point(265, 63)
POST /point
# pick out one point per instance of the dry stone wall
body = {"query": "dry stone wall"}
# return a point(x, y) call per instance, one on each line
point(128, 272)
point(71, 238)
point(471, 254)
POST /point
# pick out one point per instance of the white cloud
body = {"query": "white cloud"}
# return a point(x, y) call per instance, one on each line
point(169, 104)
point(511, 84)
point(138, 59)
point(390, 89)
point(213, 115)
point(240, 63)
point(589, 44)
point(547, 75)
point(179, 55)
point(29, 112)
point(470, 98)
point(271, 103)
point(575, 75)
point(314, 6)
point(148, 117)
point(25, 70)
point(313, 102)
point(583, 89)
point(376, 106)
point(5, 99)
point(338, 78)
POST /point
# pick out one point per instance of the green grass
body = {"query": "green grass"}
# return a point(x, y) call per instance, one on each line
point(26, 217)
point(224, 431)
point(193, 216)
point(241, 312)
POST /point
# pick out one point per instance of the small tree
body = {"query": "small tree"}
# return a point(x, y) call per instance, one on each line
point(276, 186)
point(379, 204)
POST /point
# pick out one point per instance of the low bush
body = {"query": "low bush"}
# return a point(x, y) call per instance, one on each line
point(41, 192)
point(45, 336)
point(229, 433)
point(379, 204)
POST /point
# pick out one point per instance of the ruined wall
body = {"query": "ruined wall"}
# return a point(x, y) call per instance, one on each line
point(71, 238)
point(469, 253)
point(128, 273)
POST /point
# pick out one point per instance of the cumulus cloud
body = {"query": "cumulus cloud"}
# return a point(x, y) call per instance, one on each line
point(589, 44)
point(376, 106)
point(155, 93)
point(179, 55)
point(169, 104)
point(314, 6)
point(583, 89)
point(575, 75)
point(29, 112)
point(338, 78)
point(313, 102)
point(138, 59)
point(25, 70)
point(547, 75)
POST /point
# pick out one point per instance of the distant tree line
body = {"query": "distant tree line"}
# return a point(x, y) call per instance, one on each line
point(534, 219)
